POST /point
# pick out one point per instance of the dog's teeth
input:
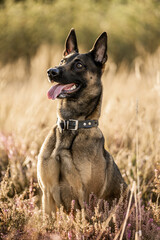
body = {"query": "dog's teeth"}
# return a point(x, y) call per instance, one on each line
point(72, 88)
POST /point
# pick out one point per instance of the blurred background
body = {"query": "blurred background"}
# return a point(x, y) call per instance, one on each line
point(32, 36)
point(132, 26)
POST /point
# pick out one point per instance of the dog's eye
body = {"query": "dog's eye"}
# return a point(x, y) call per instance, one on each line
point(79, 65)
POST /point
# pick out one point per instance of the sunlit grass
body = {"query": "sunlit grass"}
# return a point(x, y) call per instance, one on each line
point(130, 118)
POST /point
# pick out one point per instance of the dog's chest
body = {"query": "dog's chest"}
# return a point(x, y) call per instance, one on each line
point(69, 161)
point(77, 155)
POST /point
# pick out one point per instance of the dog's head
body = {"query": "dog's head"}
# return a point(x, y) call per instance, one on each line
point(76, 72)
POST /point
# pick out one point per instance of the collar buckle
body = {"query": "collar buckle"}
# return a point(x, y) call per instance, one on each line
point(70, 124)
point(75, 127)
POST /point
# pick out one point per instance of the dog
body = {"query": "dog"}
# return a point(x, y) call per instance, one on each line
point(73, 162)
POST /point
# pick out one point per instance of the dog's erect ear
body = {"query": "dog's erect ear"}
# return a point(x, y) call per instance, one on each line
point(71, 43)
point(99, 50)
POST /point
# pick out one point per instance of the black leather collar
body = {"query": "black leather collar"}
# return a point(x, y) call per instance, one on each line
point(72, 124)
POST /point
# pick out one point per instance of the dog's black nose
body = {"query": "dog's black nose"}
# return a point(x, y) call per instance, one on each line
point(52, 72)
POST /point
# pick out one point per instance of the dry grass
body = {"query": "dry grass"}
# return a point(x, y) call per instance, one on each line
point(130, 123)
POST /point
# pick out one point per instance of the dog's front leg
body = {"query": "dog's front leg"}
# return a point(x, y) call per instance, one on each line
point(73, 177)
point(48, 203)
point(48, 145)
point(48, 169)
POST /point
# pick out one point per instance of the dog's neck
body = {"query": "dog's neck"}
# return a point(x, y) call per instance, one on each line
point(80, 109)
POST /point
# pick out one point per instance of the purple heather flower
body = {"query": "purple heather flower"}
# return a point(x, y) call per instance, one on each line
point(150, 220)
point(69, 235)
point(129, 234)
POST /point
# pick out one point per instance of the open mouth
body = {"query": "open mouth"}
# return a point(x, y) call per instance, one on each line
point(62, 90)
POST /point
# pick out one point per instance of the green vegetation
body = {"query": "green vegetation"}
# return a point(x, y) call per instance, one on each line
point(132, 26)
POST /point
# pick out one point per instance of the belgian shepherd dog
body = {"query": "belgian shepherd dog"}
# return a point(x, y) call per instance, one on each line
point(73, 162)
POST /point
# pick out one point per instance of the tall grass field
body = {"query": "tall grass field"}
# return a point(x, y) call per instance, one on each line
point(130, 122)
point(32, 33)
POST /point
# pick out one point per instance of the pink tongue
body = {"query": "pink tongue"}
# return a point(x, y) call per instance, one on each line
point(55, 90)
